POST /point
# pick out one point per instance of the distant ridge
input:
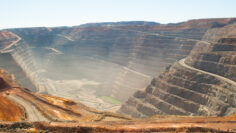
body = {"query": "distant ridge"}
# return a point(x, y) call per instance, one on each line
point(121, 23)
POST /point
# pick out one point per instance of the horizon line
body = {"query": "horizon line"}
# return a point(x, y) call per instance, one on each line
point(44, 26)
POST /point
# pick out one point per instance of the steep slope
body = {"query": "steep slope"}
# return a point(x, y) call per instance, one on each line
point(9, 111)
point(7, 42)
point(108, 60)
point(6, 38)
point(219, 57)
point(201, 84)
point(19, 104)
point(31, 112)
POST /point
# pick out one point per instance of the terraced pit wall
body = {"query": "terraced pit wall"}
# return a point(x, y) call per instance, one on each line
point(201, 84)
point(93, 62)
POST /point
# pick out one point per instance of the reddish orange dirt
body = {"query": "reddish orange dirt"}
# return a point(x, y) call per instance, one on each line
point(9, 111)
point(69, 116)
point(191, 24)
point(167, 124)
point(53, 108)
point(6, 35)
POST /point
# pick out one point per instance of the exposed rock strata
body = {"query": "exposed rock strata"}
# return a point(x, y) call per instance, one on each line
point(67, 116)
point(202, 84)
point(120, 58)
point(70, 116)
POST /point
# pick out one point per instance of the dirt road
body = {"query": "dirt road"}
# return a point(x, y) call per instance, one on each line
point(13, 43)
point(182, 62)
point(31, 111)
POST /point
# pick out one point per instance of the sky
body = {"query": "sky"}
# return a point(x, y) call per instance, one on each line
point(51, 13)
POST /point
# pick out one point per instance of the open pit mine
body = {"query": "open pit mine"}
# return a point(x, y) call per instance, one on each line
point(120, 77)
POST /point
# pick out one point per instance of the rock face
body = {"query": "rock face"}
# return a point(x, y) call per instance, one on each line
point(108, 59)
point(48, 59)
point(22, 111)
point(7, 62)
point(202, 84)
point(6, 38)
point(220, 56)
point(116, 62)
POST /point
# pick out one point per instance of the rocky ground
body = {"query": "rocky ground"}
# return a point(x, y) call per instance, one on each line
point(201, 84)
point(43, 113)
point(173, 102)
